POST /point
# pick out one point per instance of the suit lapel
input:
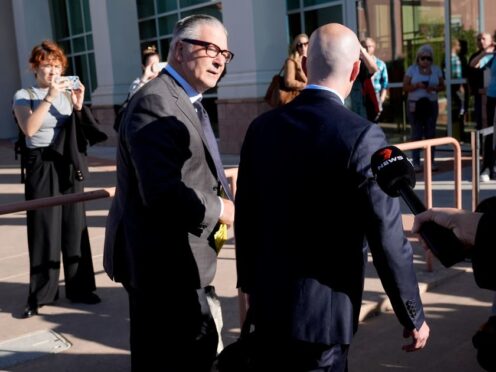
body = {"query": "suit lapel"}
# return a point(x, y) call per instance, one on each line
point(184, 104)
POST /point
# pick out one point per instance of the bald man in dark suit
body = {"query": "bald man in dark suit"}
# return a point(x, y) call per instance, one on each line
point(307, 207)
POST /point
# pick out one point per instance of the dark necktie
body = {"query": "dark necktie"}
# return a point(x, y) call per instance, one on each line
point(212, 147)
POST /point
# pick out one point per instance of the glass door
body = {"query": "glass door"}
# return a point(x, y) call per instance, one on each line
point(399, 28)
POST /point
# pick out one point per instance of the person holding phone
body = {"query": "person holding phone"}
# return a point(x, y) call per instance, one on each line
point(422, 82)
point(151, 65)
point(41, 112)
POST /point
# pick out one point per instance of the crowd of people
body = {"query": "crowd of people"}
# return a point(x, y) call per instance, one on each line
point(173, 200)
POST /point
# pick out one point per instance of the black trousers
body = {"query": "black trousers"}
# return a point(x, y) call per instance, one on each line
point(182, 321)
point(56, 230)
point(299, 356)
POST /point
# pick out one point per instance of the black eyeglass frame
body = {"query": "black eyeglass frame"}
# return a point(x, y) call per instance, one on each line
point(211, 48)
point(300, 45)
point(425, 58)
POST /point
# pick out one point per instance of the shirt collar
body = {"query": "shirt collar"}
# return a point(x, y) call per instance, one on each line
point(320, 87)
point(190, 91)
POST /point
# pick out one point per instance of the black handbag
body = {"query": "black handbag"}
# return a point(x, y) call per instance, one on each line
point(239, 356)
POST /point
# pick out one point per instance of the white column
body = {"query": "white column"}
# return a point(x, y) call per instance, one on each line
point(258, 38)
point(117, 52)
point(32, 26)
point(20, 30)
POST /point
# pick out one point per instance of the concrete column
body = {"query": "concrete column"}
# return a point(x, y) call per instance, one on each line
point(32, 23)
point(22, 19)
point(116, 45)
point(259, 39)
point(117, 56)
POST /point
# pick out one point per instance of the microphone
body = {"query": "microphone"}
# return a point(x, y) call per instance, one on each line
point(395, 175)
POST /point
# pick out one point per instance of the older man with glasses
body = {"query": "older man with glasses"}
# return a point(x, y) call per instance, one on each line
point(172, 197)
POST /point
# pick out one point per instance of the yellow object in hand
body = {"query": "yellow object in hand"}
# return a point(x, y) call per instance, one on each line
point(220, 237)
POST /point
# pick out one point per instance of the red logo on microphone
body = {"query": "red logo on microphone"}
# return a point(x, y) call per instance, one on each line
point(386, 153)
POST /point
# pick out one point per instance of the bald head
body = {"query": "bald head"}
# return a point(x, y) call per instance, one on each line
point(333, 56)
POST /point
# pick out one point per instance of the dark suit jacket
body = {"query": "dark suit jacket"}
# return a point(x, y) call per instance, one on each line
point(306, 205)
point(161, 222)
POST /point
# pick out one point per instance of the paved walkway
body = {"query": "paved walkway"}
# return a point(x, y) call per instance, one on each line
point(95, 337)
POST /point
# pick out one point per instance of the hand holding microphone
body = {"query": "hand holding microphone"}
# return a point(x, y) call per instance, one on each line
point(396, 177)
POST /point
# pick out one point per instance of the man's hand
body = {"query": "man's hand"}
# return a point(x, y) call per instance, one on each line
point(419, 338)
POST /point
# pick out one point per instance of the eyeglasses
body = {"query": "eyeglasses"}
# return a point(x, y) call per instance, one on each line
point(211, 49)
point(299, 45)
point(426, 58)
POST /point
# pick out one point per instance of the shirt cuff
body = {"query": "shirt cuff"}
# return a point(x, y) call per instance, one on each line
point(221, 206)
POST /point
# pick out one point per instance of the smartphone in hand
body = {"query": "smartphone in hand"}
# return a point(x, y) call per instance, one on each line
point(74, 82)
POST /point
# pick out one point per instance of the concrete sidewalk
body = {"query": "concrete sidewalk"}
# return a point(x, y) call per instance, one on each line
point(71, 337)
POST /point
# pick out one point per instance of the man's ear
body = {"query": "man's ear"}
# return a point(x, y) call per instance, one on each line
point(178, 51)
point(356, 70)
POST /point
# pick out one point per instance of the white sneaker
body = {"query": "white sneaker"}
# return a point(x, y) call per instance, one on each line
point(484, 177)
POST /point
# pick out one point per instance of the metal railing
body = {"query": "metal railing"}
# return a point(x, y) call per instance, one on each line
point(476, 142)
point(457, 170)
point(427, 145)
point(51, 201)
point(232, 175)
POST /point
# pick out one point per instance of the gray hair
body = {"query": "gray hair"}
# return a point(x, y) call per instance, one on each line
point(423, 50)
point(187, 28)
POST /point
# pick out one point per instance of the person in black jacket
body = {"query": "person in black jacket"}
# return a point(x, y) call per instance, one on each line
point(476, 231)
point(43, 112)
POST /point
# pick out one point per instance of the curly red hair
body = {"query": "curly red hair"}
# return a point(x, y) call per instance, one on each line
point(48, 50)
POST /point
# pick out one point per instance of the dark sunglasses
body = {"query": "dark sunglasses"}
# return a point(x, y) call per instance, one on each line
point(211, 49)
point(426, 58)
point(299, 45)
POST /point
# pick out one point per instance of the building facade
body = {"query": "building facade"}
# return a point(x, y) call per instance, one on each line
point(104, 39)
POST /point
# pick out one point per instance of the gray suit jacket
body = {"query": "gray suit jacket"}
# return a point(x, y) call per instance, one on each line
point(166, 208)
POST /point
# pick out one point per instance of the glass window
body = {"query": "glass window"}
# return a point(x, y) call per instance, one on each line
point(164, 45)
point(66, 46)
point(72, 29)
point(315, 2)
point(58, 13)
point(87, 16)
point(400, 27)
point(319, 17)
point(78, 44)
point(294, 23)
point(89, 42)
point(313, 17)
point(147, 29)
point(145, 8)
point(213, 10)
point(187, 3)
point(292, 4)
point(166, 24)
point(166, 6)
point(75, 17)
